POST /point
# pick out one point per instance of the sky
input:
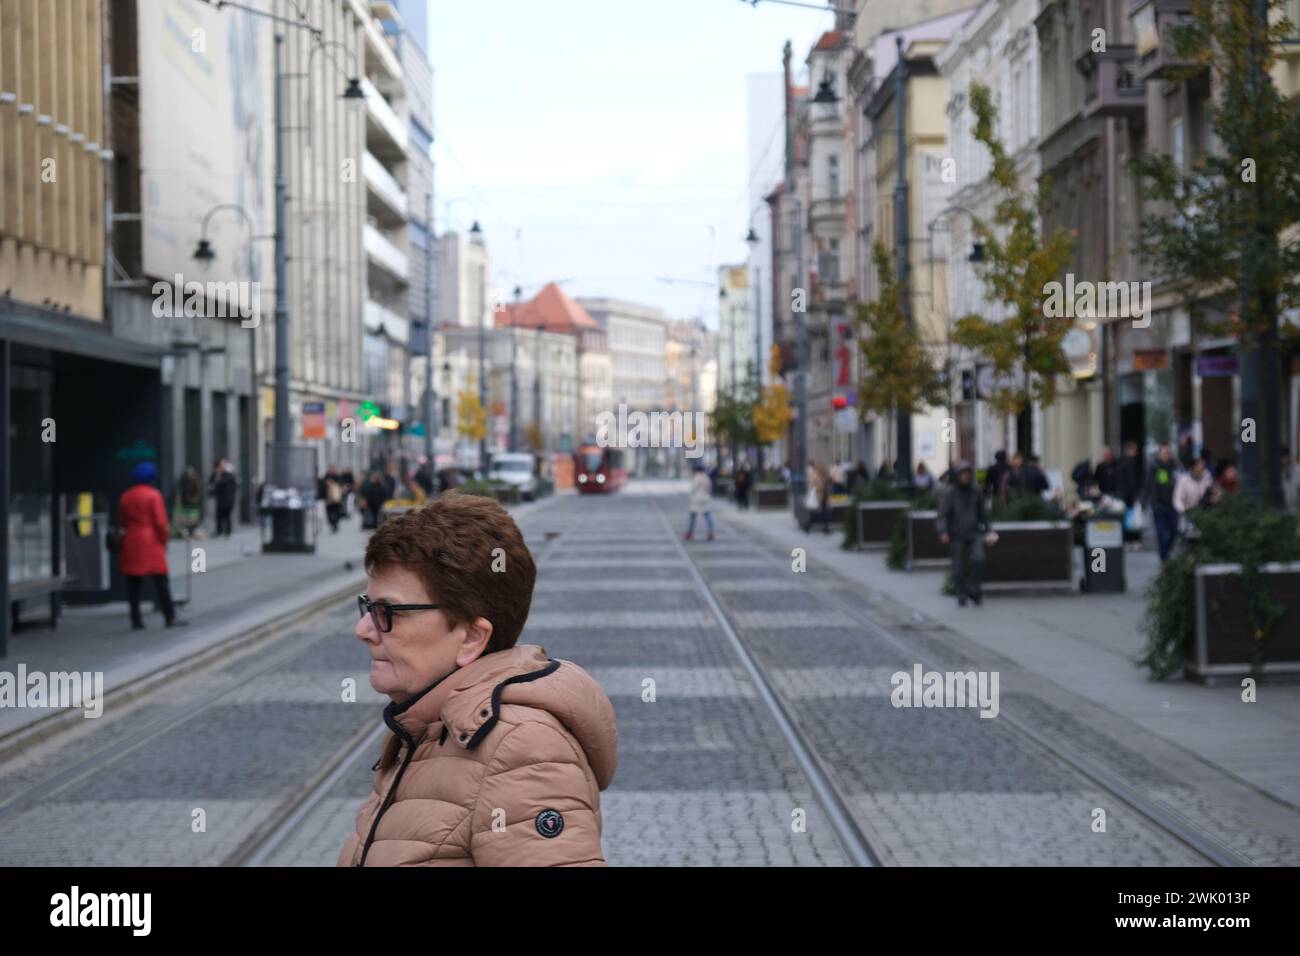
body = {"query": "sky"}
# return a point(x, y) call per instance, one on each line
point(605, 141)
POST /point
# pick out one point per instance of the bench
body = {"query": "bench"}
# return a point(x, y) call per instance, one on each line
point(25, 590)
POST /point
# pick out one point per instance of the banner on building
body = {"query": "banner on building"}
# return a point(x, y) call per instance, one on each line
point(313, 420)
point(205, 138)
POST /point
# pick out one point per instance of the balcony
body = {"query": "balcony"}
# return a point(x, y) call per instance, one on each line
point(1152, 20)
point(826, 208)
point(382, 253)
point(1111, 85)
point(386, 199)
point(384, 321)
point(385, 132)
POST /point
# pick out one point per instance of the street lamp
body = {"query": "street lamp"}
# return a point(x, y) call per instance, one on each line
point(514, 369)
point(976, 256)
point(753, 240)
point(476, 236)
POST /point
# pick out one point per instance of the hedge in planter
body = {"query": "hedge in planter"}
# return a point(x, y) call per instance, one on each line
point(896, 558)
point(1237, 530)
point(874, 490)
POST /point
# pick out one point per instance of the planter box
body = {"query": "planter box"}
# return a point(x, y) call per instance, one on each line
point(1030, 555)
point(775, 497)
point(1223, 645)
point(876, 520)
point(924, 549)
point(806, 518)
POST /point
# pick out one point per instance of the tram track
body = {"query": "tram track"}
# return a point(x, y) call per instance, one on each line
point(821, 774)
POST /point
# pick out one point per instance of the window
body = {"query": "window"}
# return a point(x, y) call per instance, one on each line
point(835, 175)
point(423, 138)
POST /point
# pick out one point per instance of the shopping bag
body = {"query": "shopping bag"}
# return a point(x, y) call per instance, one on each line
point(1133, 520)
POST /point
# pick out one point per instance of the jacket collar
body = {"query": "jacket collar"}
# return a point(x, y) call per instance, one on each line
point(468, 700)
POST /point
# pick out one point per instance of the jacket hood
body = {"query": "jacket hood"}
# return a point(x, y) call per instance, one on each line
point(468, 702)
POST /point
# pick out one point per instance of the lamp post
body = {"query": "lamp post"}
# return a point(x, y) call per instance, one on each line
point(976, 256)
point(476, 236)
point(354, 94)
point(753, 240)
point(798, 481)
point(430, 396)
point(514, 370)
point(903, 463)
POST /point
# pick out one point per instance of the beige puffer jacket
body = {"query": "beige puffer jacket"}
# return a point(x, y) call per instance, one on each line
point(499, 764)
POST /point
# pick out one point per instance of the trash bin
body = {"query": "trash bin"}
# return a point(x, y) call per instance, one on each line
point(291, 525)
point(1103, 555)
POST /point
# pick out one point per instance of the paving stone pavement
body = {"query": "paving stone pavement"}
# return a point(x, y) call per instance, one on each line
point(706, 776)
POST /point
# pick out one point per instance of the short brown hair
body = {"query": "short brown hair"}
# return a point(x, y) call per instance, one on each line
point(451, 543)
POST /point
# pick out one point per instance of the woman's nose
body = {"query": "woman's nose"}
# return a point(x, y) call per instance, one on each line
point(365, 630)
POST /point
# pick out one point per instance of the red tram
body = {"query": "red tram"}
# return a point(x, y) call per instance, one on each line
point(598, 470)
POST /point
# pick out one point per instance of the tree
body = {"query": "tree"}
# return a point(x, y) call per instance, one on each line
point(533, 436)
point(732, 420)
point(471, 416)
point(897, 375)
point(1025, 347)
point(772, 413)
point(1228, 225)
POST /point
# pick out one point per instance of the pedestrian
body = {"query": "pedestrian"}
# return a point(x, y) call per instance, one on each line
point(424, 478)
point(373, 495)
point(742, 486)
point(1290, 482)
point(331, 492)
point(886, 471)
point(223, 485)
point(924, 481)
point(498, 754)
point(1130, 486)
point(996, 477)
point(1106, 477)
point(188, 512)
point(699, 500)
point(821, 488)
point(1192, 488)
point(787, 473)
point(349, 481)
point(1186, 451)
point(1228, 483)
point(963, 525)
point(143, 519)
point(1161, 485)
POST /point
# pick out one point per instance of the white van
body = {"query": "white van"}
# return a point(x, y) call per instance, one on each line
point(515, 468)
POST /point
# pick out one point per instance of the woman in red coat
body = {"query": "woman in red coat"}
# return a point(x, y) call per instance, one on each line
point(141, 513)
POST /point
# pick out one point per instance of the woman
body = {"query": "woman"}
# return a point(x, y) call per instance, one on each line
point(924, 480)
point(699, 500)
point(821, 488)
point(498, 754)
point(143, 517)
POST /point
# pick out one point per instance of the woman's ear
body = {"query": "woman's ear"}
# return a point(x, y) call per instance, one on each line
point(474, 645)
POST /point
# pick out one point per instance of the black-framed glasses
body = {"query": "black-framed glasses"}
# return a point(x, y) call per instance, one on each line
point(381, 612)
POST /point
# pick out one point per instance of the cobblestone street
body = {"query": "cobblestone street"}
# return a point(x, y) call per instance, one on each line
point(205, 768)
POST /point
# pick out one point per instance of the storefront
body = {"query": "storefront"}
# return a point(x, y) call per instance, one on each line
point(82, 407)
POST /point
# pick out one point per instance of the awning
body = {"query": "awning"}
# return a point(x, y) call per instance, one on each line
point(42, 328)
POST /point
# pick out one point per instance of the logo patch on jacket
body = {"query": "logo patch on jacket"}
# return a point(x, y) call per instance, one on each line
point(550, 823)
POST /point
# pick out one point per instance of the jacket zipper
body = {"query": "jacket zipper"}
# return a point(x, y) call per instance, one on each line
point(388, 798)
